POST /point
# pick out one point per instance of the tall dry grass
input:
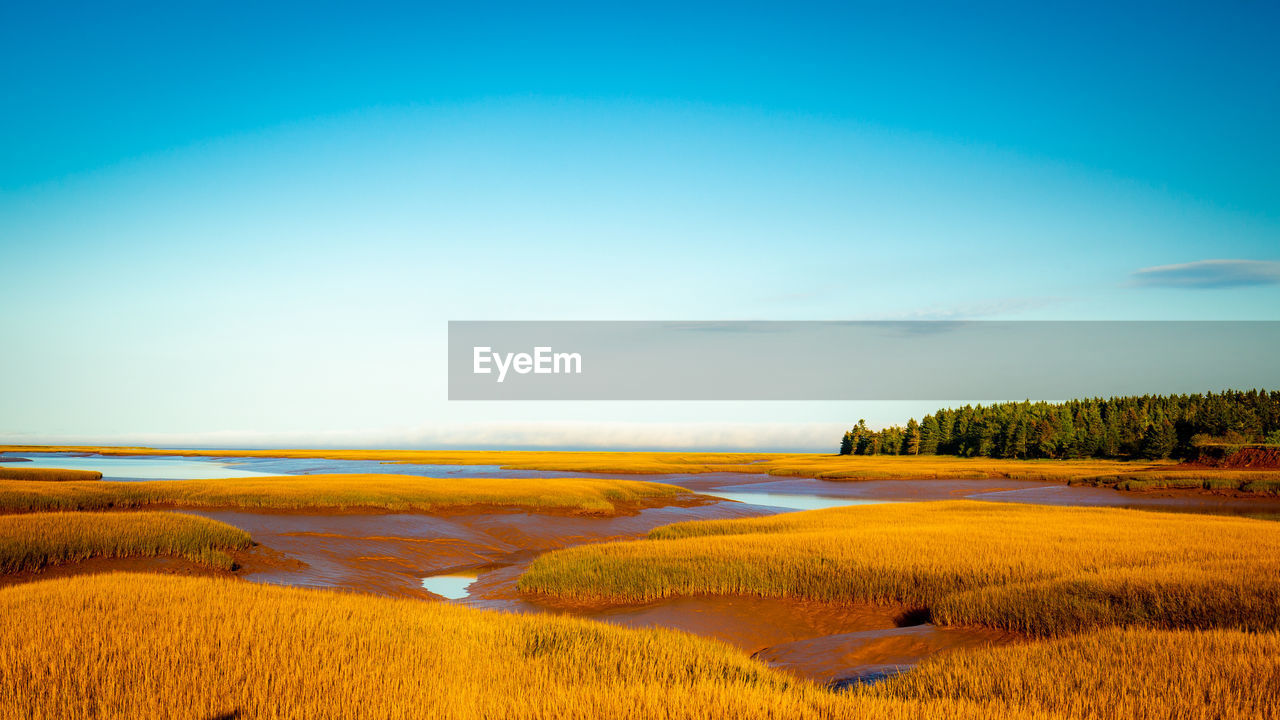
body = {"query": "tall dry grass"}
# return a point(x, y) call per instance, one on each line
point(139, 646)
point(809, 465)
point(48, 474)
point(1035, 569)
point(1130, 674)
point(31, 542)
point(131, 646)
point(341, 492)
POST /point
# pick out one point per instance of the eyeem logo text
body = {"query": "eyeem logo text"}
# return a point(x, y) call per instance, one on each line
point(542, 362)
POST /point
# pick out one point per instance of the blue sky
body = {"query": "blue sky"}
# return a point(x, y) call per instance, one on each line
point(246, 224)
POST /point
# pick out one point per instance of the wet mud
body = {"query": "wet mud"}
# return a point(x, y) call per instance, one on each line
point(485, 550)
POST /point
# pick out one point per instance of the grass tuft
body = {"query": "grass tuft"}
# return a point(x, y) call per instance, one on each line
point(208, 647)
point(809, 465)
point(1035, 569)
point(48, 474)
point(142, 646)
point(1131, 674)
point(397, 493)
point(31, 542)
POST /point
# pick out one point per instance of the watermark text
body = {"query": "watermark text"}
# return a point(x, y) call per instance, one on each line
point(542, 361)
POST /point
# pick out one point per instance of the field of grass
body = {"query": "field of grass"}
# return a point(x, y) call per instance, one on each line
point(31, 542)
point(129, 646)
point(48, 474)
point(1035, 569)
point(1130, 674)
point(572, 461)
point(1262, 482)
point(396, 493)
point(811, 465)
point(140, 646)
point(830, 467)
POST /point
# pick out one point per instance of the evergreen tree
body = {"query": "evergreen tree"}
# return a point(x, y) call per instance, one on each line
point(1159, 440)
point(929, 435)
point(861, 438)
point(912, 446)
point(1018, 444)
point(1152, 426)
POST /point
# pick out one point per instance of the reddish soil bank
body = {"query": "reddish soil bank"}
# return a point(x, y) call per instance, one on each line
point(256, 559)
point(1025, 491)
point(1173, 500)
point(868, 654)
point(830, 643)
point(164, 564)
point(1250, 458)
point(390, 554)
point(748, 622)
point(881, 490)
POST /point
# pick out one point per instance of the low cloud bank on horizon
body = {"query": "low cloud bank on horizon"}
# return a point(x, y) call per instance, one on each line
point(1210, 274)
point(758, 437)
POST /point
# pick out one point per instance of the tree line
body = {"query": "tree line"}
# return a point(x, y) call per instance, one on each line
point(1147, 426)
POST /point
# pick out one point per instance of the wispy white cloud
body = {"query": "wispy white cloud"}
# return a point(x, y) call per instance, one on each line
point(795, 437)
point(1209, 274)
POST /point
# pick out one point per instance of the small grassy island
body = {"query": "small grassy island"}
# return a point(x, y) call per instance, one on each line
point(384, 492)
point(1033, 569)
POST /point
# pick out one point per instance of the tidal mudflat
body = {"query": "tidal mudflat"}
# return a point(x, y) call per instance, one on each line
point(1133, 475)
point(475, 554)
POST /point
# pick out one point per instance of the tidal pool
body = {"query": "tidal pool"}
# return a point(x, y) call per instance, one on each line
point(452, 585)
point(790, 501)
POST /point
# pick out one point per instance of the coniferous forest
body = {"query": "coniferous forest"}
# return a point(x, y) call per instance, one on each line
point(1147, 426)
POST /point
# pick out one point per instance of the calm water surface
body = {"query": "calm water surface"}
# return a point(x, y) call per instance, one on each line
point(789, 501)
point(153, 467)
point(453, 585)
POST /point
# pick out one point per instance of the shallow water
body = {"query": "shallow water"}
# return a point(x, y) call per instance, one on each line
point(790, 501)
point(152, 467)
point(391, 553)
point(878, 652)
point(326, 466)
point(995, 490)
point(452, 585)
point(766, 492)
point(476, 559)
point(175, 467)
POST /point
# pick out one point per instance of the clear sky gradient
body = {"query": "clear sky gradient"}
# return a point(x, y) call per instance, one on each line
point(230, 223)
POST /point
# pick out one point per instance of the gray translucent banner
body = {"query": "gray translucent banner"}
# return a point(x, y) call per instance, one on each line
point(984, 360)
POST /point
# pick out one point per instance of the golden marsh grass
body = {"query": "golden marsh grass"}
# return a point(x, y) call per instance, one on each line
point(1249, 481)
point(211, 647)
point(831, 467)
point(810, 465)
point(1034, 569)
point(48, 474)
point(31, 542)
point(1127, 674)
point(397, 493)
point(140, 646)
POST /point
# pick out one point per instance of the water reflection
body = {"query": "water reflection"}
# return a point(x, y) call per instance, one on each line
point(790, 501)
point(453, 585)
point(138, 468)
point(173, 467)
